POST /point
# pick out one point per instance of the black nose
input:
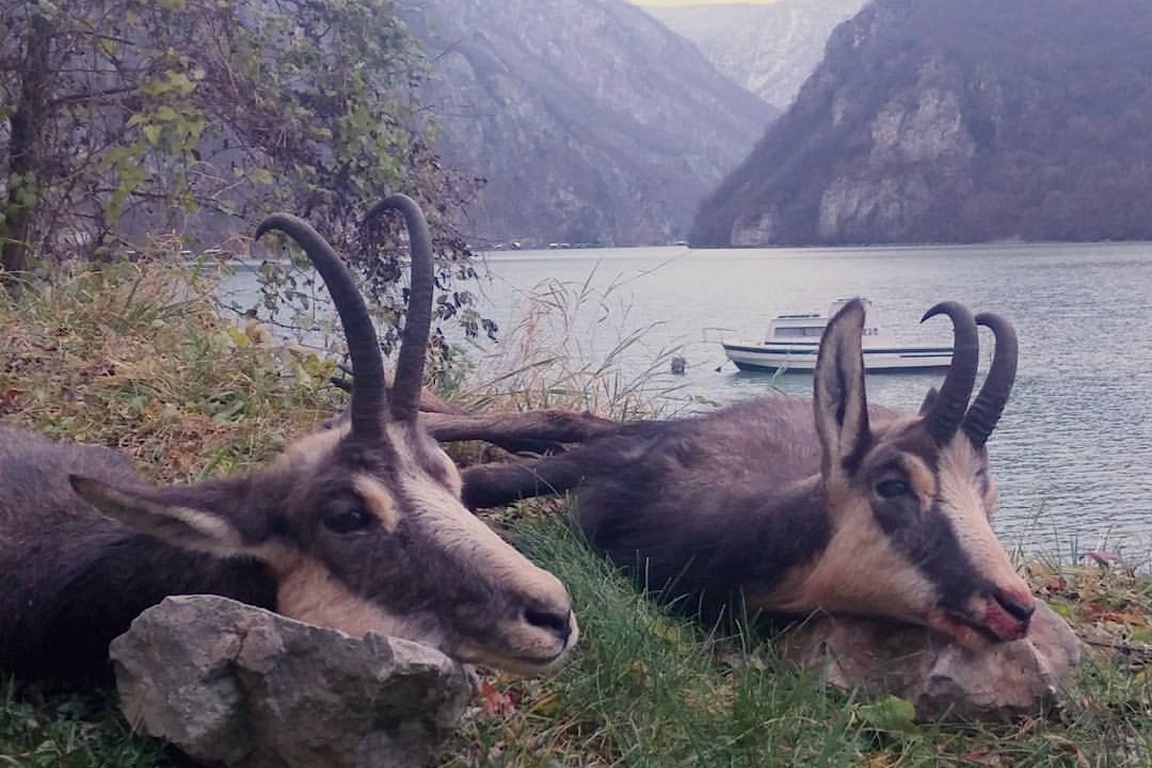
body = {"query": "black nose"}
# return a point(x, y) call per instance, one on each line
point(558, 622)
point(1015, 608)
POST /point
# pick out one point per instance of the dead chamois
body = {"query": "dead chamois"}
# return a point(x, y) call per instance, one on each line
point(359, 527)
point(781, 506)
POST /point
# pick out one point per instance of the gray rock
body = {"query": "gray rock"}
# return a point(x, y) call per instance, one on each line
point(1001, 683)
point(234, 685)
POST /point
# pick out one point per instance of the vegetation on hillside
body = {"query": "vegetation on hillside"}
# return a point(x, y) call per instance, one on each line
point(124, 122)
point(141, 360)
point(957, 121)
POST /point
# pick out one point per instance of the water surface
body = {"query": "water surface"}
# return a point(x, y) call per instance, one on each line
point(1073, 452)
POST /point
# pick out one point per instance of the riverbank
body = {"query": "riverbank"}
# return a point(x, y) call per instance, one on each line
point(143, 361)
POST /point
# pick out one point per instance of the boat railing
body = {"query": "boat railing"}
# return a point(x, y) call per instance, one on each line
point(715, 335)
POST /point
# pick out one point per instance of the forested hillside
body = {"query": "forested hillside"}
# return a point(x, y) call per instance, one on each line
point(958, 121)
point(590, 121)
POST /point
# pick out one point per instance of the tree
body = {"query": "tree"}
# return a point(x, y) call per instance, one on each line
point(127, 117)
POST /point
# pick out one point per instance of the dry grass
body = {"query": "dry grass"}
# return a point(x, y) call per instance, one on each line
point(564, 351)
point(140, 360)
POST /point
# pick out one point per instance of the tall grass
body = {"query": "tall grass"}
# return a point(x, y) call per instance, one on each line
point(141, 360)
point(565, 349)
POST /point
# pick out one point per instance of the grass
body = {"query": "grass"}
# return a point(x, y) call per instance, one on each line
point(650, 689)
point(140, 360)
point(555, 355)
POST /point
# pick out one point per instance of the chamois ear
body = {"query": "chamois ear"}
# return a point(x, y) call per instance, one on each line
point(839, 401)
point(184, 524)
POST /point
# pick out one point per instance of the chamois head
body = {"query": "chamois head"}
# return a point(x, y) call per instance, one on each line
point(361, 526)
point(909, 497)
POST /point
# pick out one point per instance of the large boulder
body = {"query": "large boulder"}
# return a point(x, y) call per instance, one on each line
point(234, 685)
point(999, 683)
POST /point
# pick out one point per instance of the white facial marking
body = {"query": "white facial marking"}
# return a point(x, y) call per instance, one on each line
point(518, 583)
point(309, 592)
point(859, 572)
point(308, 451)
point(962, 501)
point(430, 498)
point(380, 502)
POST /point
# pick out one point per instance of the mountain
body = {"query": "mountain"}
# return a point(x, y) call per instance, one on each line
point(957, 121)
point(769, 49)
point(590, 121)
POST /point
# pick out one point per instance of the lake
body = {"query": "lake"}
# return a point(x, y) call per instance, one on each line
point(1073, 452)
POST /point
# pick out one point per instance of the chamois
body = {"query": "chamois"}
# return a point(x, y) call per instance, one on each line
point(359, 527)
point(761, 509)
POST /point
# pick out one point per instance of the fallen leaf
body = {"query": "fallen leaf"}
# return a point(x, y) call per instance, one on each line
point(495, 702)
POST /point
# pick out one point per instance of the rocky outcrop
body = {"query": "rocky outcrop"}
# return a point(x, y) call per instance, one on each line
point(234, 685)
point(769, 49)
point(957, 121)
point(590, 121)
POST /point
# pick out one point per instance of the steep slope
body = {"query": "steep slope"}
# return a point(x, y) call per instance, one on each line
point(769, 49)
point(958, 121)
point(591, 122)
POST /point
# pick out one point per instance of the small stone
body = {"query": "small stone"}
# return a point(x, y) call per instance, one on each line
point(234, 685)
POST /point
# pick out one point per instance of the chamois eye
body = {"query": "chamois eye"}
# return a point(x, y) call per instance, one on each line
point(348, 519)
point(891, 488)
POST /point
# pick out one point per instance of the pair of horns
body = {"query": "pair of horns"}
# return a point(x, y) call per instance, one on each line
point(950, 410)
point(368, 398)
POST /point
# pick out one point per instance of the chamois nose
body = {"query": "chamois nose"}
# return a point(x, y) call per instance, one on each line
point(1018, 605)
point(556, 621)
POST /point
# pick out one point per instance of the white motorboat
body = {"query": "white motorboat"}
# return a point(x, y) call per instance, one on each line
point(793, 341)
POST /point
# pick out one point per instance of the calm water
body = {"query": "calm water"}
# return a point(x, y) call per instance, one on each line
point(1073, 452)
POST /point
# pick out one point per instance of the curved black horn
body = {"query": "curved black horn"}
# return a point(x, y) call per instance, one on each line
point(404, 402)
point(985, 412)
point(363, 348)
point(947, 411)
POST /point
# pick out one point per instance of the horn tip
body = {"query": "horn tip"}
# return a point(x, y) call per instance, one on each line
point(275, 221)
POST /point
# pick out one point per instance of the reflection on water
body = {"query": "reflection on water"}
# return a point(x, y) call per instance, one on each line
point(1073, 452)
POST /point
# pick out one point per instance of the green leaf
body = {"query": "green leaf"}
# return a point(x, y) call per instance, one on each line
point(261, 176)
point(889, 714)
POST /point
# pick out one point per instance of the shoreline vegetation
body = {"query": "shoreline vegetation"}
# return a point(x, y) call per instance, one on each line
point(141, 359)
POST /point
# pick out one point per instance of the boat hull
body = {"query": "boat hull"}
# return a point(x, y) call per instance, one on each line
point(796, 358)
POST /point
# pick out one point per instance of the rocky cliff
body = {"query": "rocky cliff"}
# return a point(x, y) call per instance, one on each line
point(590, 121)
point(957, 121)
point(769, 49)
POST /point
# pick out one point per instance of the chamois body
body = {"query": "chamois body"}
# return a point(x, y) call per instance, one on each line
point(358, 527)
point(664, 516)
point(71, 579)
point(781, 506)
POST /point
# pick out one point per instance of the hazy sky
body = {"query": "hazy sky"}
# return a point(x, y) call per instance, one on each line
point(702, 2)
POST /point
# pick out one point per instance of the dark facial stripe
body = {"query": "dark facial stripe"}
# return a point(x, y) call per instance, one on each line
point(931, 545)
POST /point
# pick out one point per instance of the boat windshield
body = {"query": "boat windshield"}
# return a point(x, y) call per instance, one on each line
point(799, 331)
